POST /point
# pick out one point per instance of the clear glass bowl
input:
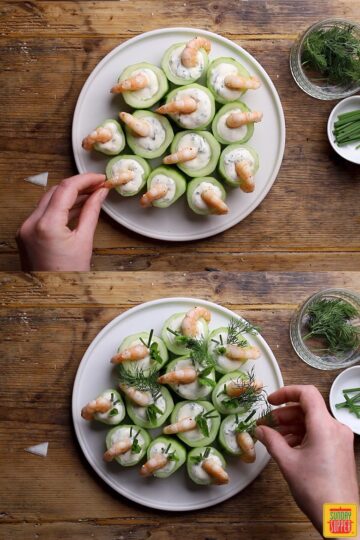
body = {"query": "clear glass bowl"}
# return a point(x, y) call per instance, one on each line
point(308, 350)
point(311, 83)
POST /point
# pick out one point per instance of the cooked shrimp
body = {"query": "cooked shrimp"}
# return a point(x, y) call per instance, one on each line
point(179, 376)
point(214, 202)
point(236, 82)
point(136, 352)
point(101, 405)
point(244, 172)
point(186, 424)
point(189, 326)
point(155, 193)
point(140, 127)
point(117, 449)
point(189, 54)
point(119, 180)
point(137, 396)
point(234, 352)
point(136, 82)
point(247, 445)
point(158, 461)
point(186, 105)
point(215, 470)
point(236, 389)
point(185, 154)
point(237, 119)
point(100, 135)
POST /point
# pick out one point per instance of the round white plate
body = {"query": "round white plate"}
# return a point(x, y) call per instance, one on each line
point(177, 223)
point(349, 151)
point(95, 374)
point(349, 378)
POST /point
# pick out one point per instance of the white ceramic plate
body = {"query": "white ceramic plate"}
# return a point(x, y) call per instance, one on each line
point(349, 151)
point(349, 378)
point(177, 493)
point(177, 223)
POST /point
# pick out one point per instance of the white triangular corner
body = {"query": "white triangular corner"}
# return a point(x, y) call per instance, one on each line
point(39, 449)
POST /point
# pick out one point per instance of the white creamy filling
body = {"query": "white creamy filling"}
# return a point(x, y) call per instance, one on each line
point(230, 435)
point(197, 200)
point(150, 90)
point(141, 412)
point(201, 115)
point(192, 390)
point(156, 137)
point(199, 473)
point(191, 410)
point(115, 142)
point(230, 134)
point(124, 165)
point(203, 157)
point(218, 75)
point(178, 68)
point(239, 154)
point(222, 360)
point(159, 448)
point(105, 417)
point(168, 182)
point(124, 433)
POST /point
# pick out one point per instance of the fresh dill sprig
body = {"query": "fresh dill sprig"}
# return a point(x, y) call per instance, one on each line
point(137, 378)
point(235, 330)
point(198, 349)
point(249, 395)
point(329, 319)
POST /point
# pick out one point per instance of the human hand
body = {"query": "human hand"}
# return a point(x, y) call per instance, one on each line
point(45, 240)
point(313, 450)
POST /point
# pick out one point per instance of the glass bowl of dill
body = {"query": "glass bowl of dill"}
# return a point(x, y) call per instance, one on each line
point(325, 330)
point(325, 60)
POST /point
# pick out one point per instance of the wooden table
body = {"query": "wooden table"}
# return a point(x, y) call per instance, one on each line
point(47, 322)
point(309, 220)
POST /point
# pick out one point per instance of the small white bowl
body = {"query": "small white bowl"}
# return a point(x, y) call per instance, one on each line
point(348, 151)
point(349, 378)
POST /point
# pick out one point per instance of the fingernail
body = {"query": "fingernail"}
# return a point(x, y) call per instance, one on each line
point(259, 433)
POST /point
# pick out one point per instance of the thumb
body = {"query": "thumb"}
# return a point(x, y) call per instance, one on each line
point(275, 443)
point(90, 213)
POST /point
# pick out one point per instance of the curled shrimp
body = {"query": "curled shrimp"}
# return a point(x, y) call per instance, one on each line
point(117, 449)
point(153, 464)
point(237, 119)
point(136, 82)
point(99, 135)
point(234, 352)
point(155, 193)
point(101, 405)
point(247, 445)
point(186, 424)
point(179, 376)
point(119, 180)
point(236, 82)
point(234, 389)
point(244, 173)
point(140, 127)
point(189, 54)
point(137, 396)
point(189, 325)
point(214, 202)
point(186, 105)
point(185, 154)
point(215, 470)
point(136, 352)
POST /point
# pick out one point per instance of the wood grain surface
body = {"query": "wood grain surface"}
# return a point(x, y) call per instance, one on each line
point(309, 220)
point(46, 323)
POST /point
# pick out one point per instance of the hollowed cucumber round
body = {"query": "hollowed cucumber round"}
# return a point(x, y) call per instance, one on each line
point(116, 144)
point(172, 177)
point(143, 98)
point(194, 194)
point(119, 433)
point(216, 73)
point(194, 390)
point(176, 72)
point(194, 468)
point(148, 147)
point(203, 115)
point(129, 162)
point(223, 364)
point(174, 323)
point(116, 414)
point(233, 153)
point(140, 415)
point(223, 403)
point(174, 448)
point(195, 437)
point(208, 152)
point(226, 135)
point(148, 363)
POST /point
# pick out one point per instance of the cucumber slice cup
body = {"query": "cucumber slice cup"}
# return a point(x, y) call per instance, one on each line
point(176, 72)
point(193, 194)
point(129, 162)
point(223, 363)
point(154, 415)
point(174, 323)
point(225, 404)
point(116, 144)
point(202, 117)
point(208, 152)
point(208, 424)
point(227, 433)
point(116, 414)
point(195, 390)
point(226, 135)
point(216, 73)
point(228, 158)
point(140, 439)
point(170, 177)
point(195, 459)
point(157, 358)
point(161, 129)
point(171, 447)
point(140, 99)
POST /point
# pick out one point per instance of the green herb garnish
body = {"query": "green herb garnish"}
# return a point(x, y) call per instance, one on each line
point(170, 455)
point(151, 412)
point(235, 328)
point(249, 395)
point(351, 403)
point(198, 459)
point(153, 348)
point(347, 128)
point(198, 349)
point(141, 380)
point(135, 447)
point(201, 421)
point(113, 412)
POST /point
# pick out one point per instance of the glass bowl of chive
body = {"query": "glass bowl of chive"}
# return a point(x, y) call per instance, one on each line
point(325, 60)
point(325, 330)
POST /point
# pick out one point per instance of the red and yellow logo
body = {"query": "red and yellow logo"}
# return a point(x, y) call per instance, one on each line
point(339, 520)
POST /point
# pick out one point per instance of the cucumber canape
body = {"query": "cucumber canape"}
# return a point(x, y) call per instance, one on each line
point(164, 457)
point(108, 138)
point(230, 428)
point(127, 445)
point(167, 185)
point(230, 348)
point(153, 415)
point(238, 165)
point(228, 79)
point(206, 196)
point(143, 351)
point(205, 148)
point(124, 164)
point(226, 404)
point(191, 106)
point(176, 71)
point(196, 423)
point(159, 133)
point(228, 135)
point(141, 85)
point(107, 408)
point(206, 465)
point(172, 333)
point(202, 378)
